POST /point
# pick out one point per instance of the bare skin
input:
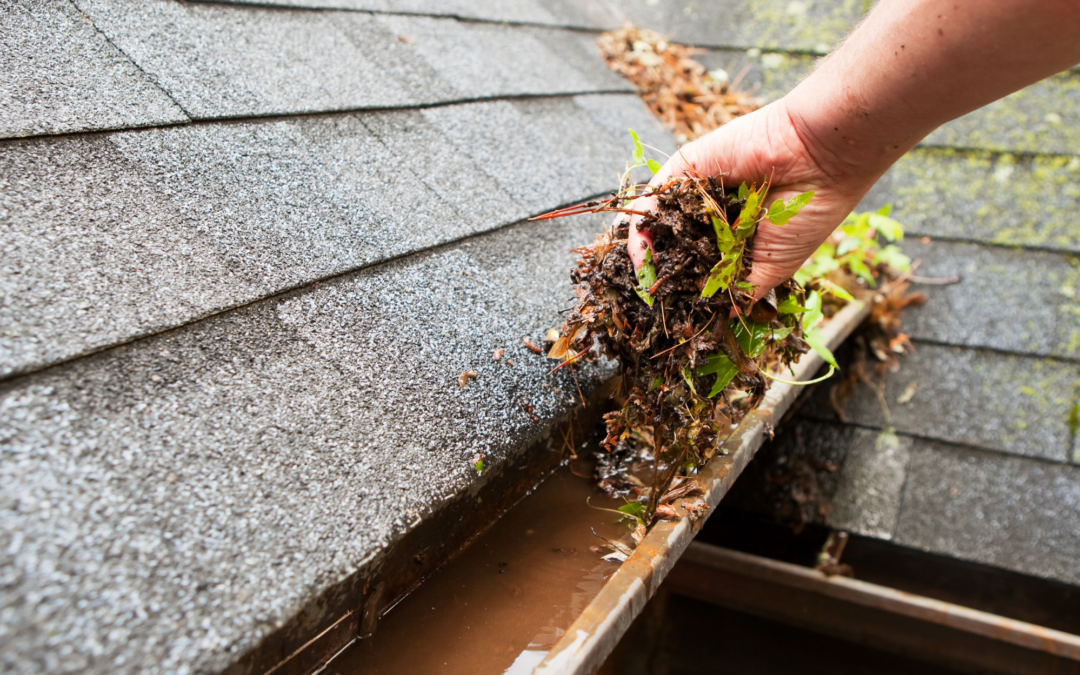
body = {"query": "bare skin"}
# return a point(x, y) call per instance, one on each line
point(911, 66)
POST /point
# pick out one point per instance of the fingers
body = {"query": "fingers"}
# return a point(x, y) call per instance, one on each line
point(638, 242)
point(685, 161)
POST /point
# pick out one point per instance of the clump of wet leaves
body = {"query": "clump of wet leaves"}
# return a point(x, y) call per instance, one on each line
point(696, 350)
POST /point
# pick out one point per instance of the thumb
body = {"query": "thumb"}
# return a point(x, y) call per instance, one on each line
point(639, 241)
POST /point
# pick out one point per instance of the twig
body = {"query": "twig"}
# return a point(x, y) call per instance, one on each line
point(621, 548)
point(707, 324)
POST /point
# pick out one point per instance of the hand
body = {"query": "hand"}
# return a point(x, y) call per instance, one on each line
point(767, 143)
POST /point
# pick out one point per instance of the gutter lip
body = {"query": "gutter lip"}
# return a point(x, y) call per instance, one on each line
point(594, 634)
point(855, 592)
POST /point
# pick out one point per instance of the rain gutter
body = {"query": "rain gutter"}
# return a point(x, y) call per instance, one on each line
point(959, 638)
point(593, 636)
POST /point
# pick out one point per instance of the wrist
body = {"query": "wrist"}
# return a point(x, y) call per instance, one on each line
point(844, 158)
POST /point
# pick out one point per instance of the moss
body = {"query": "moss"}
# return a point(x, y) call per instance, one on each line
point(789, 25)
point(802, 26)
point(990, 197)
point(1043, 118)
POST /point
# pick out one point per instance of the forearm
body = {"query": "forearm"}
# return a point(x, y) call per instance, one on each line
point(916, 64)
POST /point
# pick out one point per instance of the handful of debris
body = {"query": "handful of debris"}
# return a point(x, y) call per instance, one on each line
point(696, 350)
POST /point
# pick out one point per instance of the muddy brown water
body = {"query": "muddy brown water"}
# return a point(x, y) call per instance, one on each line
point(502, 603)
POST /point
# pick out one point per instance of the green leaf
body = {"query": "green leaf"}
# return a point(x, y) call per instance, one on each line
point(892, 256)
point(748, 217)
point(856, 225)
point(781, 212)
point(654, 166)
point(835, 290)
point(790, 305)
point(744, 191)
point(646, 276)
point(639, 152)
point(745, 286)
point(848, 245)
point(725, 238)
point(887, 227)
point(633, 511)
point(885, 210)
point(813, 315)
point(859, 268)
point(780, 334)
point(751, 336)
point(724, 369)
point(803, 277)
point(686, 376)
point(721, 276)
point(816, 340)
point(656, 383)
point(479, 466)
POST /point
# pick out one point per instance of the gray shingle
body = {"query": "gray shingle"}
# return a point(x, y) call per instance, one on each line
point(869, 484)
point(483, 60)
point(228, 61)
point(610, 113)
point(163, 226)
point(767, 76)
point(219, 61)
point(190, 491)
point(59, 75)
point(1018, 301)
point(593, 14)
point(511, 141)
point(1013, 513)
point(423, 149)
point(1042, 118)
point(1009, 403)
point(857, 476)
point(1026, 201)
point(768, 24)
point(96, 252)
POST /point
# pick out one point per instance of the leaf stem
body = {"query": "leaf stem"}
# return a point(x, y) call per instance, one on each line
point(832, 369)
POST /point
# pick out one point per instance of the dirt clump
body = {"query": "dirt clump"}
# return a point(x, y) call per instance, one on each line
point(696, 350)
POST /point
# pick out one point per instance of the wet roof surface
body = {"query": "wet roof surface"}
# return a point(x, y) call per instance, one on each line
point(230, 350)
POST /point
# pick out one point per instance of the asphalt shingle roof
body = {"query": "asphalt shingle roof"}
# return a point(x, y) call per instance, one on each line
point(167, 504)
point(282, 297)
point(284, 292)
point(238, 61)
point(127, 234)
point(59, 75)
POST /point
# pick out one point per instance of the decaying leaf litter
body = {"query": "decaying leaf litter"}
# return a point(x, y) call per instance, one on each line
point(688, 98)
point(696, 351)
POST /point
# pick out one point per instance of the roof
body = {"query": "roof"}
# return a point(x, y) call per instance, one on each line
point(250, 248)
point(249, 251)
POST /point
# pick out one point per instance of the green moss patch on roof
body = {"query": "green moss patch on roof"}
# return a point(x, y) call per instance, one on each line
point(1013, 404)
point(1008, 300)
point(1042, 118)
point(983, 196)
point(788, 25)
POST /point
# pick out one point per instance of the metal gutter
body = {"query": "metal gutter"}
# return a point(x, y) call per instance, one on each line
point(593, 636)
point(960, 638)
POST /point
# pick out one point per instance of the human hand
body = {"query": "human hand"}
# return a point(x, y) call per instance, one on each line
point(752, 148)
